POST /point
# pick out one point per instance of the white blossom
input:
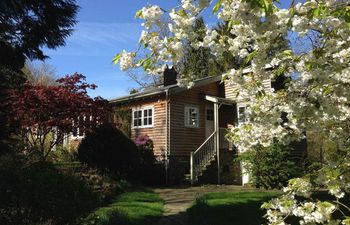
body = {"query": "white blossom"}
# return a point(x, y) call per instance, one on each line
point(126, 60)
point(316, 96)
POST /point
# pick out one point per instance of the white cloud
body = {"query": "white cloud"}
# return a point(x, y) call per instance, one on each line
point(99, 39)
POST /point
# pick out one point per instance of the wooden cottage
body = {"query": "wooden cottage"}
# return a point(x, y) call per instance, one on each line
point(188, 127)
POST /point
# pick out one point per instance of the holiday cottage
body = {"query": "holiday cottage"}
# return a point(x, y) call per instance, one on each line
point(188, 127)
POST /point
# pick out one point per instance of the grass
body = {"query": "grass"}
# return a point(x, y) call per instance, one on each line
point(241, 208)
point(132, 208)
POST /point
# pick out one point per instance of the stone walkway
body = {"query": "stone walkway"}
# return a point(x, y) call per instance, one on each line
point(178, 200)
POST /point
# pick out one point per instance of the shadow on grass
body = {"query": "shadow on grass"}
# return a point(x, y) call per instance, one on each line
point(229, 209)
point(243, 208)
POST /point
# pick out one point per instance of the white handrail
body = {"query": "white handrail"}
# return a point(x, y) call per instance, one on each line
point(204, 143)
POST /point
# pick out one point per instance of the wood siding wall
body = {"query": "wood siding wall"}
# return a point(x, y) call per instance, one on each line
point(158, 132)
point(184, 140)
point(230, 93)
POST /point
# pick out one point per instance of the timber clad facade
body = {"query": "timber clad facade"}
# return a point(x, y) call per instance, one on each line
point(182, 120)
point(184, 139)
point(158, 129)
point(188, 127)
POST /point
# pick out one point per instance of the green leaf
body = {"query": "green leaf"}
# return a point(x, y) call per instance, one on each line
point(250, 57)
point(170, 39)
point(287, 53)
point(268, 6)
point(327, 90)
point(116, 58)
point(146, 63)
point(347, 16)
point(217, 6)
point(231, 23)
point(346, 221)
point(138, 13)
point(279, 71)
point(182, 12)
point(310, 65)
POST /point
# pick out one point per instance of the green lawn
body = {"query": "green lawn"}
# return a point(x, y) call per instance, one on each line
point(241, 208)
point(132, 208)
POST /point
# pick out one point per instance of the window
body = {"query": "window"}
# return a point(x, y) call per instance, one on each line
point(142, 117)
point(242, 117)
point(78, 128)
point(191, 116)
point(210, 114)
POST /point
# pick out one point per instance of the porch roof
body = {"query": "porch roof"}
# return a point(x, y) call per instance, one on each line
point(219, 100)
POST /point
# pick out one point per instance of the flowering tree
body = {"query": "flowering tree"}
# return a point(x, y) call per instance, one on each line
point(315, 95)
point(45, 113)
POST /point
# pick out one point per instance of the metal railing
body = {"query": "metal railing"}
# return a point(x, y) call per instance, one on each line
point(202, 157)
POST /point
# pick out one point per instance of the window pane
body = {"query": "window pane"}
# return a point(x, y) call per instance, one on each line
point(139, 122)
point(135, 123)
point(150, 120)
point(241, 114)
point(145, 113)
point(210, 114)
point(191, 116)
point(139, 114)
point(150, 112)
point(145, 121)
point(241, 110)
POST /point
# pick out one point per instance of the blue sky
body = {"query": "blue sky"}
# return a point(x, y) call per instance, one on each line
point(104, 28)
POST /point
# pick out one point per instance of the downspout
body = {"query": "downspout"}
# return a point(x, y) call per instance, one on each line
point(167, 134)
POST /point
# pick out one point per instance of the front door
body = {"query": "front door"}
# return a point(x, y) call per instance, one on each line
point(209, 121)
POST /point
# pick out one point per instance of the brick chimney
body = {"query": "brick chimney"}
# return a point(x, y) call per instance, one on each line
point(169, 76)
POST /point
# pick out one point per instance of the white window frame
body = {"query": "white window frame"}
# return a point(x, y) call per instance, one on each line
point(187, 119)
point(142, 109)
point(78, 136)
point(246, 119)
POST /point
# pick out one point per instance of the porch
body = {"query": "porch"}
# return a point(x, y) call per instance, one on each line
point(216, 131)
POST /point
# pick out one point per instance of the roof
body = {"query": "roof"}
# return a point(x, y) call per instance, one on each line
point(219, 100)
point(171, 89)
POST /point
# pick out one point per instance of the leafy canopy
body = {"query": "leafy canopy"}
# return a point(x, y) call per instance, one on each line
point(315, 94)
point(44, 110)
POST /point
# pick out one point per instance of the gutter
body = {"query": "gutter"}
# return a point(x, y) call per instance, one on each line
point(135, 97)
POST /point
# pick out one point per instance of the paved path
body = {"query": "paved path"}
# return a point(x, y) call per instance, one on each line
point(178, 200)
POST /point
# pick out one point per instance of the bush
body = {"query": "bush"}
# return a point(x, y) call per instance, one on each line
point(62, 154)
point(151, 171)
point(106, 185)
point(270, 167)
point(106, 216)
point(40, 194)
point(108, 148)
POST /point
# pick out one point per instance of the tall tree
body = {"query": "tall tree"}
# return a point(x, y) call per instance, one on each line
point(197, 62)
point(42, 74)
point(44, 113)
point(315, 97)
point(25, 28)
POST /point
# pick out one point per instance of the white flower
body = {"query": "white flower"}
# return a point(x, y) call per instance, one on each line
point(335, 22)
point(300, 25)
point(126, 60)
point(151, 13)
